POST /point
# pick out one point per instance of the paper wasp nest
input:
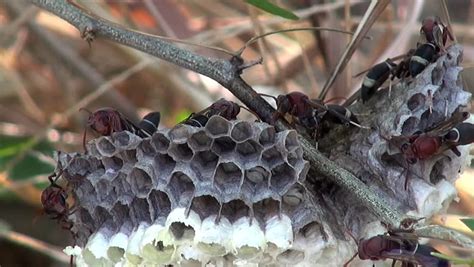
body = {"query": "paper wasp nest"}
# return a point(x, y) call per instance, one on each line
point(236, 192)
point(229, 192)
point(369, 155)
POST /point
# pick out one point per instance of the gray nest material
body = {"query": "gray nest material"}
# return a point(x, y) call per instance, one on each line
point(231, 191)
point(237, 192)
point(371, 157)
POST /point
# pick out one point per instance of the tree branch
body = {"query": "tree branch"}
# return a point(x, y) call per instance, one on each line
point(227, 73)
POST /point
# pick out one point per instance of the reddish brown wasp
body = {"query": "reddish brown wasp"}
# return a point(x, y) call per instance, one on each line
point(54, 201)
point(434, 140)
point(397, 247)
point(434, 31)
point(222, 107)
point(309, 113)
point(106, 121)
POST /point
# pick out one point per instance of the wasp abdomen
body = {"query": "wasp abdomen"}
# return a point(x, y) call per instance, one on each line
point(149, 124)
point(423, 56)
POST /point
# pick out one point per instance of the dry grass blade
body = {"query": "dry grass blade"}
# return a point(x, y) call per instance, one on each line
point(448, 19)
point(159, 18)
point(375, 9)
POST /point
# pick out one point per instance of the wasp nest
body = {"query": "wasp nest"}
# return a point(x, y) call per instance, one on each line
point(413, 105)
point(236, 192)
point(232, 191)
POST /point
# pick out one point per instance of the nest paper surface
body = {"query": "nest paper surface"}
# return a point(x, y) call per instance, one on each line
point(237, 192)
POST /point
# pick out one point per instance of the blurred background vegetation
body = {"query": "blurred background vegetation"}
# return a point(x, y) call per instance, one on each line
point(47, 72)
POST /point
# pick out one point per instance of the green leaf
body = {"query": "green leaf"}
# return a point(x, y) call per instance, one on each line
point(469, 222)
point(182, 115)
point(29, 166)
point(20, 164)
point(273, 9)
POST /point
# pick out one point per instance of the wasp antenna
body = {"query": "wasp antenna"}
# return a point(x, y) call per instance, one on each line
point(265, 95)
point(255, 38)
point(352, 236)
point(86, 110)
point(358, 125)
point(84, 140)
point(335, 98)
point(355, 254)
point(317, 104)
point(392, 60)
point(361, 73)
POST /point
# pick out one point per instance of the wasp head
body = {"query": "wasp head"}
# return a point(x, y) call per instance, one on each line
point(105, 121)
point(225, 108)
point(283, 104)
point(409, 152)
point(53, 199)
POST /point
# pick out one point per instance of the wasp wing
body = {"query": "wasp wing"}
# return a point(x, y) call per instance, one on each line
point(443, 127)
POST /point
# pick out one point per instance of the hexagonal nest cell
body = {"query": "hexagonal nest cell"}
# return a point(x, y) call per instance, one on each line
point(283, 177)
point(223, 145)
point(217, 126)
point(181, 186)
point(200, 141)
point(249, 150)
point(241, 131)
point(140, 182)
point(180, 152)
point(228, 177)
point(160, 141)
point(160, 204)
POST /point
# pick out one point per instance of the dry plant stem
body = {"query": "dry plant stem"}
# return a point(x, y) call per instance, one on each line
point(269, 49)
point(159, 18)
point(260, 43)
point(227, 73)
point(73, 60)
point(374, 10)
point(35, 244)
point(234, 29)
point(24, 96)
point(25, 16)
point(448, 19)
point(439, 232)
